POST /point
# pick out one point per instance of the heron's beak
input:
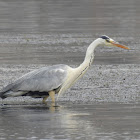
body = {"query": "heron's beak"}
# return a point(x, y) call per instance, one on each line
point(118, 45)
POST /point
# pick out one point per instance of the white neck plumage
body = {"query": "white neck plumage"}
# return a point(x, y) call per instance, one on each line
point(80, 71)
point(89, 54)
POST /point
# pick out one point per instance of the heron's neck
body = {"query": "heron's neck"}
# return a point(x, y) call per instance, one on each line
point(89, 55)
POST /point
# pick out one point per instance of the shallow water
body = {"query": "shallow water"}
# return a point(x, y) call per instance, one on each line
point(38, 32)
point(84, 122)
point(52, 32)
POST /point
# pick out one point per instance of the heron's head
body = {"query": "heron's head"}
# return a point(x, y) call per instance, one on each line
point(110, 42)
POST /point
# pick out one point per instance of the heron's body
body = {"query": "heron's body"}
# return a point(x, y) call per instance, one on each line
point(48, 81)
point(42, 81)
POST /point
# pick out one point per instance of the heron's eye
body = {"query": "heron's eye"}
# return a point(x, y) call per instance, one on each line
point(107, 40)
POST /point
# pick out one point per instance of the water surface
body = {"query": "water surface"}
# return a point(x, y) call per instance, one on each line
point(52, 32)
point(69, 122)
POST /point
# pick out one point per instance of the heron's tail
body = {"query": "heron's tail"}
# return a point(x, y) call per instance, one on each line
point(2, 95)
point(11, 93)
point(5, 92)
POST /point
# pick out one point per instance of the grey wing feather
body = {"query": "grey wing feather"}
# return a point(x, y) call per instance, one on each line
point(44, 79)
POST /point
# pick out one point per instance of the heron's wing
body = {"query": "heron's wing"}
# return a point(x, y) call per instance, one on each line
point(44, 79)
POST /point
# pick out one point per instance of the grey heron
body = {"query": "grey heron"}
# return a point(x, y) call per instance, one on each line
point(56, 79)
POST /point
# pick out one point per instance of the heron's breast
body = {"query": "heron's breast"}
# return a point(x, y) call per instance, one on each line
point(69, 81)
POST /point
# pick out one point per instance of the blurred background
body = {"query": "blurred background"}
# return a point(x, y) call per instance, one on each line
point(35, 33)
point(38, 31)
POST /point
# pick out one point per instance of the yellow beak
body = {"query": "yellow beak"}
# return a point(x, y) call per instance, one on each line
point(119, 45)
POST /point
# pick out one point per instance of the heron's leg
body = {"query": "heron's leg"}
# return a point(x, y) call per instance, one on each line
point(44, 99)
point(52, 95)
